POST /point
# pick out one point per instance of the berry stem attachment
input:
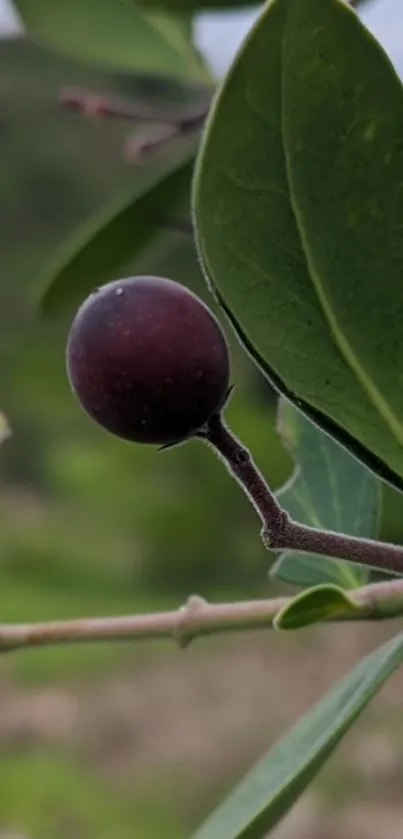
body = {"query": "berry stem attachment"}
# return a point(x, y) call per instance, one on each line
point(240, 463)
point(280, 532)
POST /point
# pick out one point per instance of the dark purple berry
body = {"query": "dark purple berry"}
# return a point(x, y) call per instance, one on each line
point(148, 360)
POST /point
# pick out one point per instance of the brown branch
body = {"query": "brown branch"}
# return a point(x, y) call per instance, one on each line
point(279, 531)
point(195, 619)
point(381, 555)
point(241, 465)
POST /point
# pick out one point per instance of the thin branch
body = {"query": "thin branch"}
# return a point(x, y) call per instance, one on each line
point(279, 531)
point(105, 106)
point(382, 555)
point(169, 123)
point(195, 619)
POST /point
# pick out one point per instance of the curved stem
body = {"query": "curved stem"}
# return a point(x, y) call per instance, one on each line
point(242, 466)
point(279, 531)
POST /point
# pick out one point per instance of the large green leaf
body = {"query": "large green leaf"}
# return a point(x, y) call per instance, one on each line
point(272, 787)
point(105, 245)
point(116, 34)
point(299, 216)
point(330, 490)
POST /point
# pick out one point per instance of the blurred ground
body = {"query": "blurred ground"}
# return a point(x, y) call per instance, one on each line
point(179, 728)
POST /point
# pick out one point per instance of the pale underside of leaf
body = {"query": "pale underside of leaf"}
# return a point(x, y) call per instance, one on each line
point(328, 490)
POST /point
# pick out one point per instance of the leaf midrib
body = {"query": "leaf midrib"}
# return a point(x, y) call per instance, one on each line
point(339, 338)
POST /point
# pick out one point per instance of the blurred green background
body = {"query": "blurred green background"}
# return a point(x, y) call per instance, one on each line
point(124, 741)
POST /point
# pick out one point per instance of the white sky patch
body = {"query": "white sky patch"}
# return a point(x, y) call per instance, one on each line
point(220, 34)
point(384, 18)
point(9, 21)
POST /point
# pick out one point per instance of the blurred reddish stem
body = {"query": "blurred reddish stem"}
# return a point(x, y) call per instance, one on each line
point(103, 106)
point(169, 122)
point(140, 146)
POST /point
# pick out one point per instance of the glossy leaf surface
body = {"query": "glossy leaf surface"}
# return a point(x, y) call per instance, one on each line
point(299, 213)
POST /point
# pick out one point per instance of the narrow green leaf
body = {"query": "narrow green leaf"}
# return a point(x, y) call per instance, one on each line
point(299, 219)
point(273, 786)
point(116, 34)
point(316, 604)
point(329, 490)
point(105, 245)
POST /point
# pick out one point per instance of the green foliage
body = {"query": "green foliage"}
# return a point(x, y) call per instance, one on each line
point(90, 525)
point(108, 244)
point(46, 794)
point(296, 228)
point(271, 788)
point(295, 225)
point(320, 494)
point(114, 34)
point(321, 603)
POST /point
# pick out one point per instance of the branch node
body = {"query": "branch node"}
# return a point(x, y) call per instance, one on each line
point(191, 609)
point(274, 532)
